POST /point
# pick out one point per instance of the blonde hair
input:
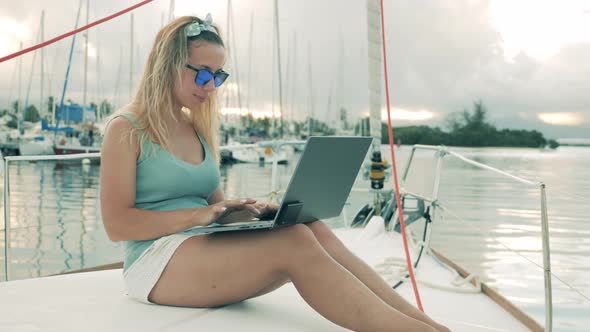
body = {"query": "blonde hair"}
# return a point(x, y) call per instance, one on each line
point(155, 97)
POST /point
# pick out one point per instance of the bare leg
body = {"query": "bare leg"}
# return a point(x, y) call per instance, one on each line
point(209, 271)
point(366, 274)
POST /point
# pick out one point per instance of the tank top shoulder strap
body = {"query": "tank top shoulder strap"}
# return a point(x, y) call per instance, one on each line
point(127, 116)
point(145, 144)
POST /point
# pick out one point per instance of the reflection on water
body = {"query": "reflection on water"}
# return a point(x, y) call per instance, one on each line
point(56, 224)
point(499, 216)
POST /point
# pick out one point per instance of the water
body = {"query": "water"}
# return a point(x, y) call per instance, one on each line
point(55, 220)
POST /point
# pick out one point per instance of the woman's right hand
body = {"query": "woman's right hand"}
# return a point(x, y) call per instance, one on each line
point(218, 211)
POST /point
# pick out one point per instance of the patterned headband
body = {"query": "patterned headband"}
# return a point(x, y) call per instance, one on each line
point(195, 28)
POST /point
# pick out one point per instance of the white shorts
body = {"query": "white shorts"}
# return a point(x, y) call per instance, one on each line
point(141, 277)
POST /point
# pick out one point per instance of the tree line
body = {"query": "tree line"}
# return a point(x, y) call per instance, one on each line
point(469, 129)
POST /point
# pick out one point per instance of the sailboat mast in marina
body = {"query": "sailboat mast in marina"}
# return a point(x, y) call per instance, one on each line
point(374, 49)
point(42, 39)
point(85, 64)
point(249, 75)
point(20, 77)
point(279, 68)
point(131, 58)
point(310, 96)
point(233, 93)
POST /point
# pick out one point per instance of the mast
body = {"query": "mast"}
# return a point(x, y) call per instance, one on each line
point(20, 78)
point(63, 92)
point(41, 113)
point(374, 50)
point(53, 106)
point(272, 66)
point(230, 15)
point(85, 65)
point(131, 60)
point(329, 106)
point(228, 48)
point(12, 78)
point(339, 80)
point(98, 89)
point(293, 95)
point(278, 40)
point(250, 43)
point(288, 82)
point(310, 123)
point(232, 48)
point(116, 94)
point(171, 11)
point(26, 105)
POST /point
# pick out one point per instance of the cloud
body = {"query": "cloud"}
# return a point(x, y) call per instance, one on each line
point(442, 56)
point(562, 118)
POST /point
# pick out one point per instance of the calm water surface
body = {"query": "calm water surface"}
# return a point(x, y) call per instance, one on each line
point(494, 229)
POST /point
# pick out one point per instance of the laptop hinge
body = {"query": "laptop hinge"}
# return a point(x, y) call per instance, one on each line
point(289, 213)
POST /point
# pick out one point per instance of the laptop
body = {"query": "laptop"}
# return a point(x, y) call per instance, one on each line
point(318, 188)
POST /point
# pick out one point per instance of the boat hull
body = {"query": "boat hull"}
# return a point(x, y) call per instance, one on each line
point(35, 148)
point(74, 149)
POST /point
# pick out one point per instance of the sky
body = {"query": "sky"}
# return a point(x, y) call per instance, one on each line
point(526, 60)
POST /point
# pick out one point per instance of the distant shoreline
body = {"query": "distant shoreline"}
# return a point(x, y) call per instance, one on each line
point(574, 142)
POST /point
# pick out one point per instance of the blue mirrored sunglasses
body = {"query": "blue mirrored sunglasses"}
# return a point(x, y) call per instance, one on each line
point(204, 76)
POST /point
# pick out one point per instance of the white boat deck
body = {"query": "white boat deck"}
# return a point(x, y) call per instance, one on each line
point(96, 301)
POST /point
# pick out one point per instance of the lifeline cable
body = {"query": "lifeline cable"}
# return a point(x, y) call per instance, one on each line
point(65, 35)
point(397, 196)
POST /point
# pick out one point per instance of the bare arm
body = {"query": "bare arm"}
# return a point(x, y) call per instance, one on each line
point(124, 222)
point(216, 197)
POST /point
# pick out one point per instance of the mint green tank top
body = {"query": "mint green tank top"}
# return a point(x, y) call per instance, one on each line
point(165, 182)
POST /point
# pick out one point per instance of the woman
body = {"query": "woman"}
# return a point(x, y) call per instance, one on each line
point(160, 177)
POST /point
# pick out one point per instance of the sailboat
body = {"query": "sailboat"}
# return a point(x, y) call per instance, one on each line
point(94, 298)
point(270, 152)
point(85, 116)
point(32, 140)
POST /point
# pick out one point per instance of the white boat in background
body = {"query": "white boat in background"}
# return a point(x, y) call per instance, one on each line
point(35, 146)
point(267, 152)
point(35, 142)
point(261, 155)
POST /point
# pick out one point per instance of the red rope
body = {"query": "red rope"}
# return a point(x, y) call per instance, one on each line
point(65, 35)
point(397, 195)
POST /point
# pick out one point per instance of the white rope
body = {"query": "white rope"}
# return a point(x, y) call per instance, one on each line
point(394, 269)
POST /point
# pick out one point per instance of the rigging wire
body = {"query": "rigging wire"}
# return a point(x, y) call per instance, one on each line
point(73, 32)
point(397, 192)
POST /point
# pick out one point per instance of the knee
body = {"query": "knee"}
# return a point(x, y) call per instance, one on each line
point(300, 235)
point(299, 247)
point(298, 240)
point(325, 236)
